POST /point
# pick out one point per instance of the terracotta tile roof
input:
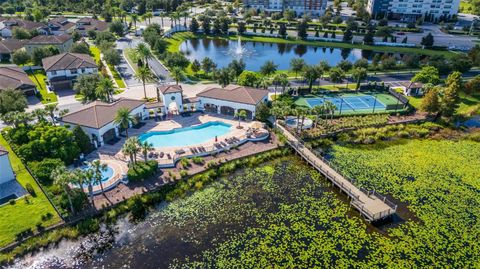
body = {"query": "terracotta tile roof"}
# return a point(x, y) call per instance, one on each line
point(190, 100)
point(13, 77)
point(10, 23)
point(11, 45)
point(170, 88)
point(152, 105)
point(67, 61)
point(49, 39)
point(92, 24)
point(234, 93)
point(411, 85)
point(98, 114)
point(61, 23)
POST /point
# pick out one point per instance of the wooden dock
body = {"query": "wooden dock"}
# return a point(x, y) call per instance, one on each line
point(371, 205)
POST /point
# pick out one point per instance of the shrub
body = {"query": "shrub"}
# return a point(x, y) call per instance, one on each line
point(12, 201)
point(183, 173)
point(142, 170)
point(198, 160)
point(185, 163)
point(43, 169)
point(30, 189)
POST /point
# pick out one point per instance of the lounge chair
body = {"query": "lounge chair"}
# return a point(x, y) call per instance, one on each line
point(168, 156)
point(179, 151)
point(223, 144)
point(161, 154)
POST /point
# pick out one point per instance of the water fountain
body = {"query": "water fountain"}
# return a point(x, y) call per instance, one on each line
point(239, 51)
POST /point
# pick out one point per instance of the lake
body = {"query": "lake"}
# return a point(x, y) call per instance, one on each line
point(222, 52)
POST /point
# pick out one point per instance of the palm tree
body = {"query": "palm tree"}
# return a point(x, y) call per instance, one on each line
point(177, 74)
point(124, 119)
point(223, 76)
point(50, 109)
point(144, 52)
point(280, 80)
point(310, 74)
point(131, 148)
point(148, 16)
point(264, 82)
point(240, 114)
point(39, 114)
point(144, 74)
point(89, 179)
point(317, 111)
point(105, 90)
point(330, 108)
point(62, 177)
point(301, 112)
point(145, 147)
point(134, 19)
point(97, 168)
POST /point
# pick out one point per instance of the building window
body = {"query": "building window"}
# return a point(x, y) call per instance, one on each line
point(54, 73)
point(73, 71)
point(172, 98)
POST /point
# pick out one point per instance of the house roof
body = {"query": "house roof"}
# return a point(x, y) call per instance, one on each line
point(98, 114)
point(3, 151)
point(412, 85)
point(10, 23)
point(67, 61)
point(92, 24)
point(49, 39)
point(234, 93)
point(13, 77)
point(61, 23)
point(170, 88)
point(11, 45)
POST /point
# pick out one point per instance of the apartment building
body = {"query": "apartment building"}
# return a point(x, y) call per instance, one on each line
point(301, 7)
point(430, 10)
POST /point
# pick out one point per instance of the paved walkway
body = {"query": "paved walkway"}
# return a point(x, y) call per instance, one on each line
point(371, 206)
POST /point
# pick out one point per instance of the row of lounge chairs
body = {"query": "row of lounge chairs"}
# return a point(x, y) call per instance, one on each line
point(197, 150)
point(160, 155)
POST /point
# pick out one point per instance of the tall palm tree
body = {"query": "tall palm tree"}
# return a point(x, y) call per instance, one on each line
point(131, 148)
point(241, 114)
point(317, 111)
point(105, 90)
point(177, 74)
point(97, 168)
point(89, 179)
point(330, 108)
point(62, 177)
point(148, 16)
point(134, 17)
point(144, 74)
point(124, 119)
point(264, 82)
point(145, 147)
point(144, 52)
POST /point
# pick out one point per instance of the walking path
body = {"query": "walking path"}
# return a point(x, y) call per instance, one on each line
point(371, 205)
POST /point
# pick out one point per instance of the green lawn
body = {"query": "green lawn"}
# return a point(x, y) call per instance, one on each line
point(38, 77)
point(116, 76)
point(469, 104)
point(466, 7)
point(24, 215)
point(132, 58)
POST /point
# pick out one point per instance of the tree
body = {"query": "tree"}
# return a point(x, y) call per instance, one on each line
point(268, 68)
point(428, 74)
point(145, 147)
point(97, 169)
point(177, 74)
point(39, 114)
point(194, 26)
point(86, 86)
point(208, 65)
point(81, 47)
point(473, 85)
point(281, 80)
point(317, 111)
point(241, 27)
point(310, 74)
point(43, 52)
point(297, 65)
point(345, 65)
point(130, 148)
point(337, 75)
point(144, 52)
point(368, 38)
point(62, 177)
point(361, 63)
point(124, 119)
point(237, 67)
point(196, 66)
point(461, 63)
point(427, 40)
point(134, 18)
point(223, 76)
point(50, 109)
point(117, 28)
point(82, 139)
point(176, 59)
point(20, 57)
point(262, 112)
point(249, 78)
point(112, 56)
point(430, 102)
point(347, 35)
point(12, 100)
point(282, 30)
point(144, 74)
point(88, 178)
point(21, 33)
point(105, 90)
point(449, 103)
point(358, 75)
point(206, 25)
point(302, 29)
point(241, 115)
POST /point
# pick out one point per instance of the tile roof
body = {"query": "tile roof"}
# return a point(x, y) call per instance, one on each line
point(234, 93)
point(50, 39)
point(61, 23)
point(13, 77)
point(170, 88)
point(411, 85)
point(67, 61)
point(10, 23)
point(92, 24)
point(98, 114)
point(11, 45)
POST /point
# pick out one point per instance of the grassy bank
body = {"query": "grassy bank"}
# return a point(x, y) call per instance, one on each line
point(26, 213)
point(138, 206)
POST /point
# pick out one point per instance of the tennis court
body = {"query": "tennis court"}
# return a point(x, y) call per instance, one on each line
point(349, 103)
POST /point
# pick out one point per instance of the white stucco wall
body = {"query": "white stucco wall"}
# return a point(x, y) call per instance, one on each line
point(6, 173)
point(167, 100)
point(236, 106)
point(68, 73)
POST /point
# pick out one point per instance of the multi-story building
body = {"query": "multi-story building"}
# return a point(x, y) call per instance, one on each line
point(413, 9)
point(301, 7)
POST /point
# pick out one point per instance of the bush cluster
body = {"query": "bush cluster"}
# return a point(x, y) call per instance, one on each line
point(141, 170)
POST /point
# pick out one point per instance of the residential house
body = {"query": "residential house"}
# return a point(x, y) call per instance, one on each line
point(8, 47)
point(60, 25)
point(7, 26)
point(63, 69)
point(84, 25)
point(412, 88)
point(97, 118)
point(14, 77)
point(62, 42)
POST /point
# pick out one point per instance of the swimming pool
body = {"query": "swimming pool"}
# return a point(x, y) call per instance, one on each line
point(186, 136)
point(106, 174)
